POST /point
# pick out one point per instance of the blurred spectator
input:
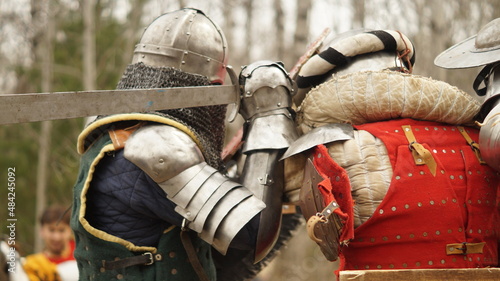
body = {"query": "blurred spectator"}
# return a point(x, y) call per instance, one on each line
point(56, 262)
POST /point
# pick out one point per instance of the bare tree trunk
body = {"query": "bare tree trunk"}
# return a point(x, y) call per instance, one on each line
point(131, 27)
point(358, 20)
point(89, 49)
point(89, 45)
point(302, 29)
point(248, 28)
point(44, 30)
point(280, 31)
point(227, 28)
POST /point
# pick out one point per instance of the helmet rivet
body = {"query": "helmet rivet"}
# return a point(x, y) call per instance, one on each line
point(144, 46)
point(183, 62)
point(143, 56)
point(208, 59)
point(187, 33)
point(186, 52)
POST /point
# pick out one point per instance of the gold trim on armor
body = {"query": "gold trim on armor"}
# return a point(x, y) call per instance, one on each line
point(94, 231)
point(131, 117)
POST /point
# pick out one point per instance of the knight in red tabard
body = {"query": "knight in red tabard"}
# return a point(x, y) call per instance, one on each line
point(394, 157)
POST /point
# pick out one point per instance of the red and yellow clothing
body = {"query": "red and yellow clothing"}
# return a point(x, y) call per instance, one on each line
point(40, 267)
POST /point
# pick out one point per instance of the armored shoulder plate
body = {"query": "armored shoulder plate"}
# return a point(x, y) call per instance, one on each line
point(320, 135)
point(212, 205)
point(162, 151)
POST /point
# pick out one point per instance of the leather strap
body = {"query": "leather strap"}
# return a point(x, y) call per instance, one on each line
point(311, 224)
point(193, 257)
point(474, 145)
point(327, 233)
point(144, 259)
point(120, 135)
point(288, 209)
point(465, 248)
point(421, 155)
point(323, 218)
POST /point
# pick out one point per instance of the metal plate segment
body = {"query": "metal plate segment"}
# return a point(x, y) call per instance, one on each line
point(221, 211)
point(199, 221)
point(234, 221)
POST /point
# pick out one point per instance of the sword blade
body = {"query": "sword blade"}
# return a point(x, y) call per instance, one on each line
point(20, 108)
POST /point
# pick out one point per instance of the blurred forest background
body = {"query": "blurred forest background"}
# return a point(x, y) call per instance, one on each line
point(66, 45)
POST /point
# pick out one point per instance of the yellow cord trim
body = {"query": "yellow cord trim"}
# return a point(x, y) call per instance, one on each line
point(94, 231)
point(133, 116)
point(169, 229)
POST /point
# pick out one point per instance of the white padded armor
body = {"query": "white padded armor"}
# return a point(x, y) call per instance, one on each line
point(365, 97)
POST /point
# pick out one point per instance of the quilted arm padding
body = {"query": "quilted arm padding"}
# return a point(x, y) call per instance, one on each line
point(125, 202)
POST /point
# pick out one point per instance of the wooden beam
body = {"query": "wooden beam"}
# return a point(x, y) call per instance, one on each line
point(459, 274)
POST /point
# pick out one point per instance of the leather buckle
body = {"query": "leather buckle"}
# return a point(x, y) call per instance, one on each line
point(144, 259)
point(465, 248)
point(150, 256)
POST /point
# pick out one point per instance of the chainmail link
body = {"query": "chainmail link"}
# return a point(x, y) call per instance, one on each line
point(206, 122)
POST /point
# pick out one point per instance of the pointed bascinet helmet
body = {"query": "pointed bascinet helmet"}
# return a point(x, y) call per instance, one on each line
point(187, 40)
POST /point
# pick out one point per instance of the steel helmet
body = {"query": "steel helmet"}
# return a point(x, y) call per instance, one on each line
point(482, 49)
point(185, 39)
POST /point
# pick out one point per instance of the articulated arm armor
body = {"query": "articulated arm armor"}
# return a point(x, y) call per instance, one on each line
point(265, 105)
point(489, 138)
point(211, 204)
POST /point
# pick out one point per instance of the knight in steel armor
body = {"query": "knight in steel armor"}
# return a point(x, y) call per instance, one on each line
point(152, 199)
point(388, 172)
point(482, 49)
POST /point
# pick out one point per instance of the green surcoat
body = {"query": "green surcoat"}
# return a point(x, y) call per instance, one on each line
point(95, 247)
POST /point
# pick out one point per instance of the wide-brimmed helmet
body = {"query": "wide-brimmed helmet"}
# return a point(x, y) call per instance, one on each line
point(482, 49)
